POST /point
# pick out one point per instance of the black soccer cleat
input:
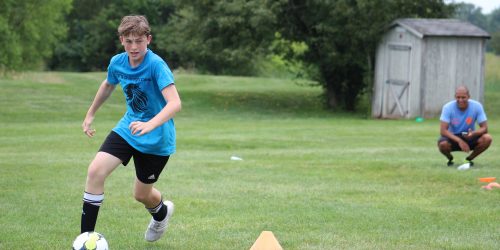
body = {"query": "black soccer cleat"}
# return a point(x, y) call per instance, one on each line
point(450, 163)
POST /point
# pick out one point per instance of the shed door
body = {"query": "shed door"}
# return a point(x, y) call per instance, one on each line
point(396, 86)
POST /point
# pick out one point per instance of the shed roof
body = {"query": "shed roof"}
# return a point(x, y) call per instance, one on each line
point(440, 27)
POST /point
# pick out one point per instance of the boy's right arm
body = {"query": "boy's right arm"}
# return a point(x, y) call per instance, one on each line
point(101, 96)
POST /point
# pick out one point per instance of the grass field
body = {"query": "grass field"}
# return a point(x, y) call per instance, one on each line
point(316, 179)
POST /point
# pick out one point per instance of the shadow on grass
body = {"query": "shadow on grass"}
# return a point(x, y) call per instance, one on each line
point(281, 104)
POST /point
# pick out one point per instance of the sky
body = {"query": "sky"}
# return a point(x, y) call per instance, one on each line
point(487, 6)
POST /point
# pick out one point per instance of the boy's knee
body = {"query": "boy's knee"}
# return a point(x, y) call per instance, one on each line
point(95, 173)
point(141, 197)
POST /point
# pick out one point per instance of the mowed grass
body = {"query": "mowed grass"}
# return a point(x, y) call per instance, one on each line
point(317, 180)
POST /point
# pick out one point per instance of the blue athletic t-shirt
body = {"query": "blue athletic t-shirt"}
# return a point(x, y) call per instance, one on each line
point(142, 88)
point(460, 121)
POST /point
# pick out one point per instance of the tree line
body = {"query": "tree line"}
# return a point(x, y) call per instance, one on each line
point(331, 42)
point(489, 23)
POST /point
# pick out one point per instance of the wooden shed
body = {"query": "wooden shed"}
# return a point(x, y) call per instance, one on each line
point(420, 62)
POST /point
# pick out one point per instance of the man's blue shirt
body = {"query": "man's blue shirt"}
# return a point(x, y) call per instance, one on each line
point(460, 121)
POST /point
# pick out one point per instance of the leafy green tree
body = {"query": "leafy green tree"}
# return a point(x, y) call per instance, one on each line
point(220, 37)
point(30, 29)
point(342, 37)
point(93, 31)
point(471, 13)
point(494, 29)
point(474, 15)
point(495, 42)
point(494, 21)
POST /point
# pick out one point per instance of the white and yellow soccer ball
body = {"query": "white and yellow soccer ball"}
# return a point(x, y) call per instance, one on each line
point(90, 241)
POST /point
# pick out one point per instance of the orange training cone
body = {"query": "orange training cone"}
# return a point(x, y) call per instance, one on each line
point(266, 241)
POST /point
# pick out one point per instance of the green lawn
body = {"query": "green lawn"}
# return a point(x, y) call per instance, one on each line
point(316, 179)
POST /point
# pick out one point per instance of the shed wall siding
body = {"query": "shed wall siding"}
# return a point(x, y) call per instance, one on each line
point(397, 37)
point(378, 80)
point(437, 64)
point(448, 63)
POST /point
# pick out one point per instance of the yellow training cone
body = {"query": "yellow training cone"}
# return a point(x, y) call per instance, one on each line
point(266, 241)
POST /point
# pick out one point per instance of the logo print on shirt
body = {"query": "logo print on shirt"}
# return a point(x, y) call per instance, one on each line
point(137, 99)
point(468, 120)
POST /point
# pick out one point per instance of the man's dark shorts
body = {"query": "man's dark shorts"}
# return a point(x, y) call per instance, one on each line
point(455, 147)
point(148, 167)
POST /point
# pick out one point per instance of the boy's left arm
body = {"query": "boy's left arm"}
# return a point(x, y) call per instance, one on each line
point(168, 112)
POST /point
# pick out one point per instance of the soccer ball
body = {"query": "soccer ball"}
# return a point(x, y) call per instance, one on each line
point(90, 241)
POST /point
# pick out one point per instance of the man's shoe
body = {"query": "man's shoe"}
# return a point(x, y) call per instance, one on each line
point(157, 228)
point(450, 163)
point(470, 162)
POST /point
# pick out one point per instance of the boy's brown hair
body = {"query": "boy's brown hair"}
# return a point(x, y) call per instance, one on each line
point(135, 25)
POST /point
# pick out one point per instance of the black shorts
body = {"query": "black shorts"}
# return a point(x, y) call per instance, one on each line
point(455, 147)
point(148, 167)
